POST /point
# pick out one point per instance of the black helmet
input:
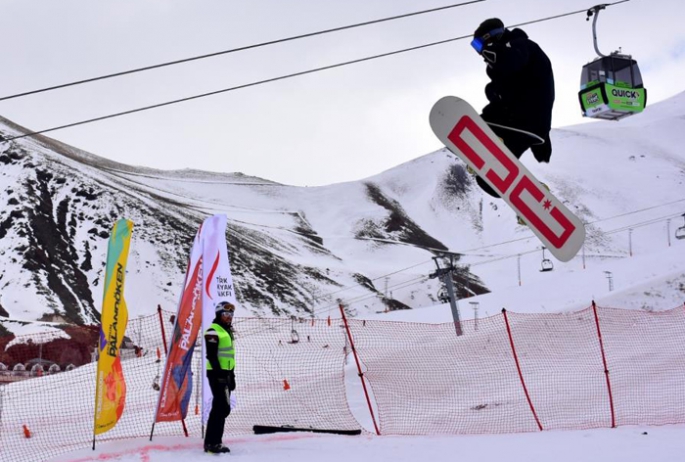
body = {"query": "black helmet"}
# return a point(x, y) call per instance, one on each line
point(489, 30)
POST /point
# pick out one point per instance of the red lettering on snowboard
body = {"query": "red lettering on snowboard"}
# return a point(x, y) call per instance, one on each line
point(502, 185)
point(467, 123)
point(525, 184)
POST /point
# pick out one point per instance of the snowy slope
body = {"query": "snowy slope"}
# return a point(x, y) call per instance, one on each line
point(598, 168)
point(299, 250)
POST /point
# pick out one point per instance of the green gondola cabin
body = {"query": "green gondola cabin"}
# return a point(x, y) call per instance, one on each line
point(611, 88)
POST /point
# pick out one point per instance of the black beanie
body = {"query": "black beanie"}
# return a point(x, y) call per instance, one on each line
point(488, 25)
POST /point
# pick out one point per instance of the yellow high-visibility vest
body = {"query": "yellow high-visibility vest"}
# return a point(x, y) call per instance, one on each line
point(226, 350)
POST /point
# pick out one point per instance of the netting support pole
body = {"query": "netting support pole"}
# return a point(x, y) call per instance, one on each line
point(518, 368)
point(606, 369)
point(97, 391)
point(359, 368)
point(161, 326)
point(1, 394)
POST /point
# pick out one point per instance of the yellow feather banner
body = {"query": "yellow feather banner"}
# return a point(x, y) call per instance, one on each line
point(110, 394)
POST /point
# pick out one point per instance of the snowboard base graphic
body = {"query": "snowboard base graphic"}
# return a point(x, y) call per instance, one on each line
point(462, 131)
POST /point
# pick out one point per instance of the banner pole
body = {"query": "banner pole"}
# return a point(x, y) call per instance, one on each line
point(97, 390)
point(202, 388)
point(161, 325)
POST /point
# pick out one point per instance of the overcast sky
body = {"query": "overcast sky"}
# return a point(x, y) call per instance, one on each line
point(332, 126)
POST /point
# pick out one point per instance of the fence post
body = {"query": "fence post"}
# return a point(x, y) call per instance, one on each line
point(359, 369)
point(1, 395)
point(606, 369)
point(518, 367)
point(161, 326)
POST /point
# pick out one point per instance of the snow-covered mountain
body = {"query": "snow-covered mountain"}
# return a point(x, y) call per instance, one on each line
point(298, 250)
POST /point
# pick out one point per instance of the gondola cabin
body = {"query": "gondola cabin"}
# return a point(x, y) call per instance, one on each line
point(611, 88)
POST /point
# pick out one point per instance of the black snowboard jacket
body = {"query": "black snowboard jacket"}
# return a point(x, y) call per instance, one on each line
point(521, 88)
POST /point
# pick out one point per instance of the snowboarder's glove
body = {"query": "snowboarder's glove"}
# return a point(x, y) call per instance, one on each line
point(492, 93)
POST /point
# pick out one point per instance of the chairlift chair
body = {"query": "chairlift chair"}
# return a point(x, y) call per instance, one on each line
point(611, 86)
point(443, 295)
point(294, 336)
point(680, 232)
point(547, 264)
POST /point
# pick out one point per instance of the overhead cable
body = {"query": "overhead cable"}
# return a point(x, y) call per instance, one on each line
point(234, 50)
point(275, 79)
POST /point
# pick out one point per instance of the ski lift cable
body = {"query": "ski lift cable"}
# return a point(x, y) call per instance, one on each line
point(565, 14)
point(468, 251)
point(644, 223)
point(420, 279)
point(606, 233)
point(234, 50)
point(633, 212)
point(496, 259)
point(322, 310)
point(334, 306)
point(273, 79)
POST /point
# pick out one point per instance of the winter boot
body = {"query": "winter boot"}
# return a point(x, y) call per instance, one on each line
point(216, 449)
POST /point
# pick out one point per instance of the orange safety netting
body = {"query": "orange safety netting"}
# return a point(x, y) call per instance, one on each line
point(599, 367)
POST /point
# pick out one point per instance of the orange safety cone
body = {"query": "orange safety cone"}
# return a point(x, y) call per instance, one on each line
point(197, 409)
point(27, 432)
point(286, 385)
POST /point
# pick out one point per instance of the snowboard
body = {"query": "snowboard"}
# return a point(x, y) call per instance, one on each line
point(461, 129)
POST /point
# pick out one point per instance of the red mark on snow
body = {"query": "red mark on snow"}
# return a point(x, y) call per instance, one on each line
point(144, 451)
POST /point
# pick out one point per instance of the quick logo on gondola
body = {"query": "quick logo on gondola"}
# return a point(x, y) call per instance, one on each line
point(630, 94)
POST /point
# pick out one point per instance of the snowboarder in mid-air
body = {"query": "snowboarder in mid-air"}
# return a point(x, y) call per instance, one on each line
point(520, 93)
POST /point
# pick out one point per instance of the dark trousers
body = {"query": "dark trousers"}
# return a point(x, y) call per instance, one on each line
point(517, 144)
point(220, 410)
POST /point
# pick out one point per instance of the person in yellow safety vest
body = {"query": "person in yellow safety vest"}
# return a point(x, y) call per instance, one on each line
point(220, 365)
